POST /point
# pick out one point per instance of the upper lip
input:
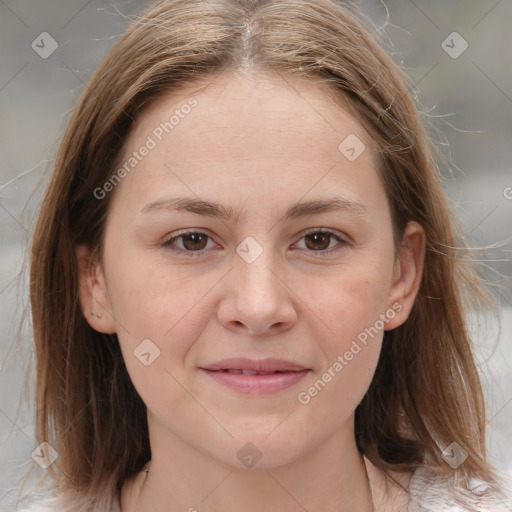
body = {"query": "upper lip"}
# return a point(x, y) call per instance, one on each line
point(257, 365)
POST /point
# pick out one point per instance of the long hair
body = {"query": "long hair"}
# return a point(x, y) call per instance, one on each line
point(426, 392)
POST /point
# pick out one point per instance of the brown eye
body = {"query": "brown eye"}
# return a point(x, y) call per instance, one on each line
point(190, 243)
point(318, 240)
point(194, 241)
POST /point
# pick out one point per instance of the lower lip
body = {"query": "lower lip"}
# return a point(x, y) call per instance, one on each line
point(257, 384)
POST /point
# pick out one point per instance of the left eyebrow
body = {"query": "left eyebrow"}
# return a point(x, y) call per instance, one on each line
point(216, 210)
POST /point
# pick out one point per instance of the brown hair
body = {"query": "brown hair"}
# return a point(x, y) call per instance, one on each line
point(426, 391)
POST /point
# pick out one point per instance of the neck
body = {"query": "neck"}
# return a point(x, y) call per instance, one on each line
point(332, 477)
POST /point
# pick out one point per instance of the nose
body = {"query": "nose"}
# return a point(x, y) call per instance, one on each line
point(257, 299)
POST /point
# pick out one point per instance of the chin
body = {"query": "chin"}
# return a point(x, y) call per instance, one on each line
point(262, 449)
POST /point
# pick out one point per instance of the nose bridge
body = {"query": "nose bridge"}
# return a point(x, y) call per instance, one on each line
point(255, 270)
point(258, 298)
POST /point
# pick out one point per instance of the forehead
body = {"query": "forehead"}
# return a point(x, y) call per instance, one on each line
point(236, 127)
point(235, 108)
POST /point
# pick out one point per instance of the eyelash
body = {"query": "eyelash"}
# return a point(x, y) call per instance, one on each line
point(169, 241)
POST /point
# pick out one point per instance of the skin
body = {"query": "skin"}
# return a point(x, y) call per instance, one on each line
point(258, 144)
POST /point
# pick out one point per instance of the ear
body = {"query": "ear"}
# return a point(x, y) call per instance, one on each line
point(93, 294)
point(408, 274)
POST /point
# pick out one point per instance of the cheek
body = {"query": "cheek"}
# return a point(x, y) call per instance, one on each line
point(161, 319)
point(353, 310)
point(334, 394)
point(353, 348)
point(152, 304)
point(151, 298)
point(350, 301)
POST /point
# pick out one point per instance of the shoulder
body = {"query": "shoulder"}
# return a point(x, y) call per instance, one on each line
point(432, 493)
point(422, 490)
point(37, 508)
point(70, 503)
point(46, 506)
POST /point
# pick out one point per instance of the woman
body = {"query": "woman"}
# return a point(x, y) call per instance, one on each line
point(243, 282)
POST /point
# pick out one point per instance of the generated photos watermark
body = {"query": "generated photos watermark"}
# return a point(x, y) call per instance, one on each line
point(151, 142)
point(357, 345)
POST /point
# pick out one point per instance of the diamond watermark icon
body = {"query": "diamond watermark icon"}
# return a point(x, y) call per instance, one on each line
point(249, 250)
point(45, 455)
point(44, 45)
point(454, 455)
point(454, 45)
point(147, 352)
point(249, 455)
point(352, 147)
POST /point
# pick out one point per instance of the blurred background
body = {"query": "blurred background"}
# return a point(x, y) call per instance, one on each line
point(457, 56)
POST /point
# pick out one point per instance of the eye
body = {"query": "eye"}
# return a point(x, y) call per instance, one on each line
point(319, 240)
point(192, 242)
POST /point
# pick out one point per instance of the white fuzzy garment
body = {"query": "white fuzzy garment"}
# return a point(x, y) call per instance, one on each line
point(435, 494)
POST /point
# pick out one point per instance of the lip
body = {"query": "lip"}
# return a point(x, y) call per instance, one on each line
point(257, 384)
point(290, 374)
point(258, 365)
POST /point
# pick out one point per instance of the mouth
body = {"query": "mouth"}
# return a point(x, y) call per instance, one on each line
point(251, 372)
point(256, 376)
point(260, 366)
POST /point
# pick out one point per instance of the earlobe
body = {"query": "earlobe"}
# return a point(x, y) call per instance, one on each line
point(408, 273)
point(93, 294)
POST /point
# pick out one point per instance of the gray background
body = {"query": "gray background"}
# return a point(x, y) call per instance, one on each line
point(468, 101)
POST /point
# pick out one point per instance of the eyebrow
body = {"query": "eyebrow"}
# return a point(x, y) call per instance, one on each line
point(216, 210)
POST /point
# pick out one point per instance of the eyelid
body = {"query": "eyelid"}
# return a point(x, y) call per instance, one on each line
point(343, 241)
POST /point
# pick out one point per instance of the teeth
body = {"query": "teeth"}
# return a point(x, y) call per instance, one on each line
point(249, 372)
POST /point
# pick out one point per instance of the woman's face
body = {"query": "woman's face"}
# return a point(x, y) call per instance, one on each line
point(291, 257)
